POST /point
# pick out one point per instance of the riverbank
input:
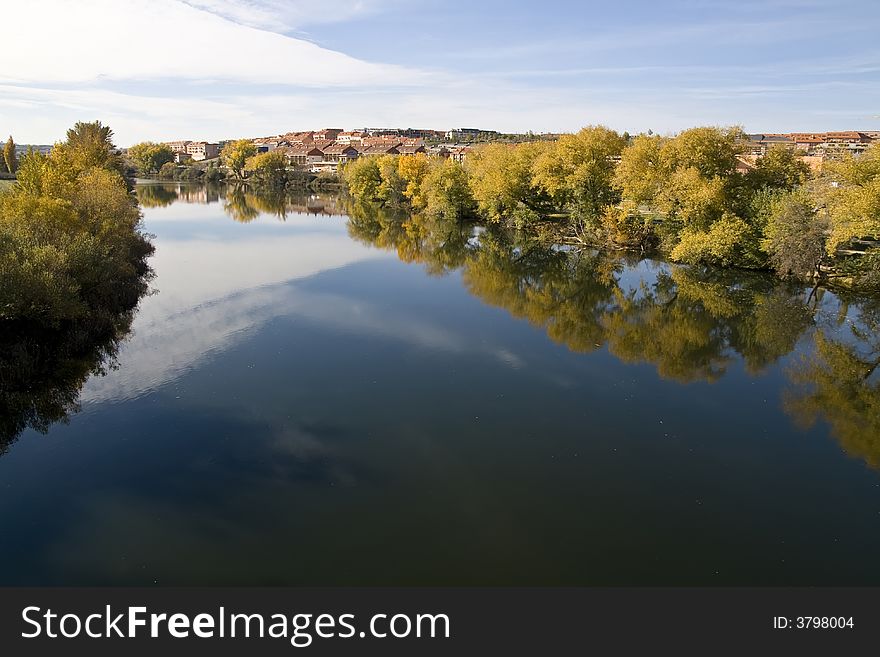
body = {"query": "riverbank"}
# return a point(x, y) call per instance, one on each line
point(688, 197)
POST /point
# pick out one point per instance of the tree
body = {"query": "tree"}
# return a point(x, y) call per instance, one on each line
point(413, 169)
point(446, 193)
point(780, 168)
point(795, 235)
point(267, 169)
point(502, 184)
point(850, 190)
point(91, 145)
point(577, 172)
point(235, 155)
point(362, 178)
point(392, 186)
point(642, 170)
point(9, 158)
point(149, 157)
point(711, 151)
point(73, 247)
point(852, 195)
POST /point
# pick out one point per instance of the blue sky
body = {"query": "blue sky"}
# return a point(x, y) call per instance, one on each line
point(213, 69)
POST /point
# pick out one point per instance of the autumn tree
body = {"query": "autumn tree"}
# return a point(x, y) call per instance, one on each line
point(851, 193)
point(412, 170)
point(445, 191)
point(362, 178)
point(90, 144)
point(502, 183)
point(10, 160)
point(73, 246)
point(149, 157)
point(578, 170)
point(778, 168)
point(235, 155)
point(267, 169)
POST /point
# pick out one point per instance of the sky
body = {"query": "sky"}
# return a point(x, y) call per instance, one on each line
point(219, 69)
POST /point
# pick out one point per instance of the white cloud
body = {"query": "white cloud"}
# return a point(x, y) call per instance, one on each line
point(286, 15)
point(108, 40)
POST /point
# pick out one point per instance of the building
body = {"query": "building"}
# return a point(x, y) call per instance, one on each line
point(181, 156)
point(439, 151)
point(837, 144)
point(202, 150)
point(304, 155)
point(467, 133)
point(328, 134)
point(373, 151)
point(759, 144)
point(340, 153)
point(459, 153)
point(178, 146)
point(353, 137)
point(411, 149)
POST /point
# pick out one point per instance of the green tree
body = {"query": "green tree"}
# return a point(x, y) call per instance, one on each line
point(168, 171)
point(362, 178)
point(502, 182)
point(577, 171)
point(149, 157)
point(267, 169)
point(9, 158)
point(642, 171)
point(446, 193)
point(795, 235)
point(780, 168)
point(90, 144)
point(235, 155)
point(73, 249)
point(412, 169)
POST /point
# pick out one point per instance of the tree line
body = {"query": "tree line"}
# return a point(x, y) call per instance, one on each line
point(73, 266)
point(685, 196)
point(239, 161)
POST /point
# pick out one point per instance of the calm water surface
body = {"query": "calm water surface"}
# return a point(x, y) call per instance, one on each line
point(308, 399)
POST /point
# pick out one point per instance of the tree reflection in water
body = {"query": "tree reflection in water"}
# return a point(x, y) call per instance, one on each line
point(42, 371)
point(690, 323)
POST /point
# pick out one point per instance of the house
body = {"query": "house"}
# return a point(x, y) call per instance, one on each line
point(354, 137)
point(328, 134)
point(412, 149)
point(381, 141)
point(467, 133)
point(177, 146)
point(202, 150)
point(746, 163)
point(304, 156)
point(807, 142)
point(267, 144)
point(373, 151)
point(340, 153)
point(759, 144)
point(439, 151)
point(458, 154)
